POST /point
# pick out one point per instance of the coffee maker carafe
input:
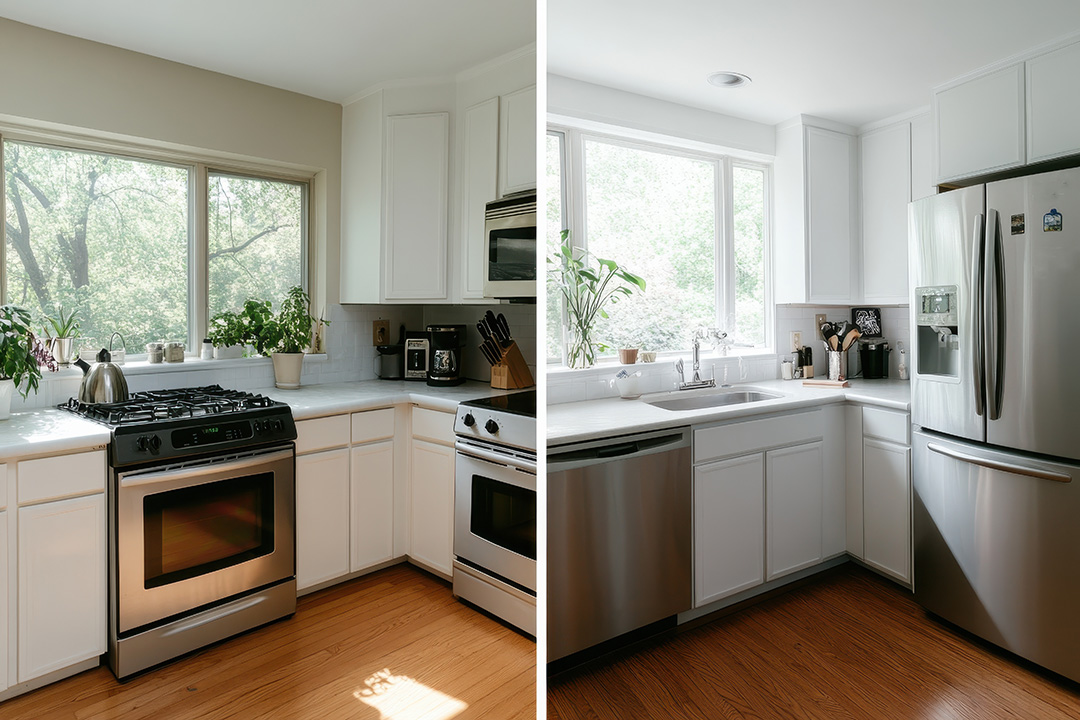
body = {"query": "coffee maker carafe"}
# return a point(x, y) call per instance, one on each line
point(444, 366)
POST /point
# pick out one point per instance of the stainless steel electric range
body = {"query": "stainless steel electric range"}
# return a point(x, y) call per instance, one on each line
point(495, 506)
point(201, 512)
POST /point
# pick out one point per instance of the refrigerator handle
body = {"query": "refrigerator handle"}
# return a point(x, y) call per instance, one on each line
point(977, 353)
point(998, 464)
point(993, 317)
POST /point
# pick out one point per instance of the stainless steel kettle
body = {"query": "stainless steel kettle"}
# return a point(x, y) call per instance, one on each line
point(103, 382)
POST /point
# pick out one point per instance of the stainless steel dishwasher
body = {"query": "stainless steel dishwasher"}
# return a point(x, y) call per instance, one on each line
point(620, 537)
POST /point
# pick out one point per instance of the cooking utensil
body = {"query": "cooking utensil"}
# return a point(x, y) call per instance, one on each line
point(849, 338)
point(494, 349)
point(103, 382)
point(828, 331)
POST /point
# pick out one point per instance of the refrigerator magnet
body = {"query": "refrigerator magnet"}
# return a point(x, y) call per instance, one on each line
point(1052, 221)
point(1018, 224)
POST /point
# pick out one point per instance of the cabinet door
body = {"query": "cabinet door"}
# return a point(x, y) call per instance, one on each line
point(886, 190)
point(62, 579)
point(322, 517)
point(517, 142)
point(793, 486)
point(729, 527)
point(431, 506)
point(887, 507)
point(479, 175)
point(4, 624)
point(830, 200)
point(372, 504)
point(979, 125)
point(922, 160)
point(1053, 109)
point(417, 148)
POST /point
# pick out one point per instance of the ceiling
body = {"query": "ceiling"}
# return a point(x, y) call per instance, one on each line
point(328, 49)
point(850, 61)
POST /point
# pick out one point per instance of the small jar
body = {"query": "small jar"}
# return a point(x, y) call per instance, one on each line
point(207, 350)
point(174, 352)
point(155, 352)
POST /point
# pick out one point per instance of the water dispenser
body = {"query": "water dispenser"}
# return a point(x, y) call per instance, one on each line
point(937, 330)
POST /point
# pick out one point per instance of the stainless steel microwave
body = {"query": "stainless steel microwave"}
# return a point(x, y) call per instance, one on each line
point(510, 256)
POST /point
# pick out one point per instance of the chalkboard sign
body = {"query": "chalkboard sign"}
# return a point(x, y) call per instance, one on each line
point(868, 320)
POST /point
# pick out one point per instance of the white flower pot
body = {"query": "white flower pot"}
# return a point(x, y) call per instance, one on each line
point(232, 352)
point(7, 387)
point(287, 367)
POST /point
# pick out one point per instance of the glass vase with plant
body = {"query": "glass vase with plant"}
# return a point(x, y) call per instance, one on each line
point(586, 291)
point(22, 355)
point(60, 333)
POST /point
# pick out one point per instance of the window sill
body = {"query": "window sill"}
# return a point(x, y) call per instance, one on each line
point(613, 364)
point(195, 364)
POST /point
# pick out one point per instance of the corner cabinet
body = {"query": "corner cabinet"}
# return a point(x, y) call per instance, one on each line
point(1053, 104)
point(517, 141)
point(817, 256)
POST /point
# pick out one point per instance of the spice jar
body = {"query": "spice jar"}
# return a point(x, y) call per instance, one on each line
point(155, 352)
point(174, 352)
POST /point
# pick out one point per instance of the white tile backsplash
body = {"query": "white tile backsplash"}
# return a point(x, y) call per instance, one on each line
point(800, 318)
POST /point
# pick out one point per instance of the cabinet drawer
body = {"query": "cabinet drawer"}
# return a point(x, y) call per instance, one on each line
point(53, 478)
point(433, 425)
point(739, 438)
point(372, 425)
point(886, 424)
point(322, 433)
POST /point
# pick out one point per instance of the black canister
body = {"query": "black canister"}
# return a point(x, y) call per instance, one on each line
point(874, 358)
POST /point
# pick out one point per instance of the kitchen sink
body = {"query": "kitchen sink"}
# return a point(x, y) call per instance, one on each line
point(719, 398)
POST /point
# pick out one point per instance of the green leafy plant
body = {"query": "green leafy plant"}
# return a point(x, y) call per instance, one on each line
point(226, 329)
point(61, 325)
point(587, 290)
point(287, 332)
point(22, 354)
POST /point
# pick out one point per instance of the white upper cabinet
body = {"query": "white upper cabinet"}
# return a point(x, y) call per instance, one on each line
point(885, 180)
point(922, 157)
point(1053, 104)
point(517, 146)
point(979, 125)
point(417, 157)
point(479, 175)
point(817, 253)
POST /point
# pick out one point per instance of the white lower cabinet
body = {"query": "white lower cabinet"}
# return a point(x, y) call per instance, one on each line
point(62, 611)
point(431, 507)
point(794, 481)
point(372, 471)
point(322, 517)
point(729, 527)
point(887, 507)
point(3, 590)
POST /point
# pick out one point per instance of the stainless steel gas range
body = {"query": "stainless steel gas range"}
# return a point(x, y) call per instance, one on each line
point(201, 513)
point(495, 507)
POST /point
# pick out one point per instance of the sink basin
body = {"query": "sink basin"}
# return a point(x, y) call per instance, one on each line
point(721, 398)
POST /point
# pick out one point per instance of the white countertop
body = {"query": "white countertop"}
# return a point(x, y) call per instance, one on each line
point(51, 431)
point(593, 419)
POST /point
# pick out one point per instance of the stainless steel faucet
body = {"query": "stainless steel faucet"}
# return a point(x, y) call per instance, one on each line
point(696, 380)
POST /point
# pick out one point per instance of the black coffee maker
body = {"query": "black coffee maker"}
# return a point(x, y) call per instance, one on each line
point(444, 359)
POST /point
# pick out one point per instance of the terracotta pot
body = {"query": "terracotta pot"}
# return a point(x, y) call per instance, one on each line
point(287, 367)
point(628, 356)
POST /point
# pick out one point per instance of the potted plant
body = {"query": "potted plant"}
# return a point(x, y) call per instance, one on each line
point(284, 337)
point(587, 290)
point(227, 335)
point(60, 332)
point(21, 356)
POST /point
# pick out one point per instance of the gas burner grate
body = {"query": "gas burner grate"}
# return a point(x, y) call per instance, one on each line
point(160, 405)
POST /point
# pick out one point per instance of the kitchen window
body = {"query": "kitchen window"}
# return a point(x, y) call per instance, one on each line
point(693, 224)
point(133, 244)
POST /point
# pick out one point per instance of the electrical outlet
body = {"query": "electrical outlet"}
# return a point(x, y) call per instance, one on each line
point(380, 332)
point(796, 340)
point(819, 320)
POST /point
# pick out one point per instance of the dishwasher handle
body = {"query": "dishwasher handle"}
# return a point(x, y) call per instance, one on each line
point(618, 448)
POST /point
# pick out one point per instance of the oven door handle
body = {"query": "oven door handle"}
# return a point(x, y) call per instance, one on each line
point(494, 457)
point(180, 472)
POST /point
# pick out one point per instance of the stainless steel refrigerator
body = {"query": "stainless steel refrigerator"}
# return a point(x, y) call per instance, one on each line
point(995, 318)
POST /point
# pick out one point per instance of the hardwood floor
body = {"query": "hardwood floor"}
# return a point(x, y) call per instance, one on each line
point(395, 644)
point(851, 645)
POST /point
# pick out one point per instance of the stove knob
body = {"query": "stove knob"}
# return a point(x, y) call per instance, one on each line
point(492, 427)
point(155, 443)
point(147, 442)
point(278, 425)
point(468, 420)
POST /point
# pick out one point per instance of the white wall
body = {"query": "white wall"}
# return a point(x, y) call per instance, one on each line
point(600, 104)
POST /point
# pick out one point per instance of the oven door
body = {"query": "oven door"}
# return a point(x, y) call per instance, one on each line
point(495, 514)
point(510, 262)
point(196, 533)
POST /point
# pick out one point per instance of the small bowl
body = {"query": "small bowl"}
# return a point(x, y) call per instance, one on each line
point(647, 356)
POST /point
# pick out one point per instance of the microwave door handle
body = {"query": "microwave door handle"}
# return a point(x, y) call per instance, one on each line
point(977, 350)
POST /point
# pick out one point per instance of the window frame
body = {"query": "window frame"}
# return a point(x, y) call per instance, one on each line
point(575, 218)
point(200, 165)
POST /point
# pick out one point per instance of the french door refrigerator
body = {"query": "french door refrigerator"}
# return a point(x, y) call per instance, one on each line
point(995, 315)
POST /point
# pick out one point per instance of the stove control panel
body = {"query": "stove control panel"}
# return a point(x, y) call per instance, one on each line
point(168, 440)
point(503, 428)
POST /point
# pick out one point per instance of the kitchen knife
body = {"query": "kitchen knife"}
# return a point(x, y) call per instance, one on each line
point(492, 322)
point(505, 326)
point(484, 332)
point(494, 348)
point(486, 352)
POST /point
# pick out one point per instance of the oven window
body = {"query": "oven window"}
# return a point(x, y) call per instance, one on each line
point(197, 530)
point(505, 515)
point(512, 254)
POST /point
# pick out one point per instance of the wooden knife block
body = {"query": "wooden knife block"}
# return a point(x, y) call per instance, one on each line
point(512, 372)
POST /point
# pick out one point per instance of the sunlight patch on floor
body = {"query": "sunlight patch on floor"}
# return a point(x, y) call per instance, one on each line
point(399, 697)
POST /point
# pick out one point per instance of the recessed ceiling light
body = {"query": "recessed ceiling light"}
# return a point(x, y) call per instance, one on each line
point(728, 79)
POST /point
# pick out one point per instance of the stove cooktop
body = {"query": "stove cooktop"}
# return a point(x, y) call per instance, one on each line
point(157, 405)
point(519, 403)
